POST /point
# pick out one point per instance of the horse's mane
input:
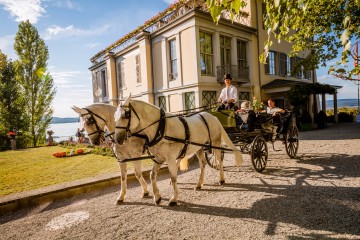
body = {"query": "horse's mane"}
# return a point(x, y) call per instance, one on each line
point(96, 105)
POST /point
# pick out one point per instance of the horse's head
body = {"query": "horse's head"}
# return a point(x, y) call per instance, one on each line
point(93, 124)
point(126, 120)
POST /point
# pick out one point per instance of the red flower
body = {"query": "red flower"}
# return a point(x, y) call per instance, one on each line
point(79, 151)
point(59, 154)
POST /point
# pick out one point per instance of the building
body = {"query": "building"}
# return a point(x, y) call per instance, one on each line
point(177, 60)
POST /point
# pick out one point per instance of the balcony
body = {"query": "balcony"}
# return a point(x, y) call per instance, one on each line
point(240, 75)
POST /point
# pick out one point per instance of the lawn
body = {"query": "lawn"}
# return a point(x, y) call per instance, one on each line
point(33, 168)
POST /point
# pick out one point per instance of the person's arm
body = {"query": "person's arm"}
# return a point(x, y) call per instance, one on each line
point(233, 95)
point(278, 110)
point(222, 96)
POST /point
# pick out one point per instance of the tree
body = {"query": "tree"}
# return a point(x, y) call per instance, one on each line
point(11, 102)
point(321, 26)
point(37, 86)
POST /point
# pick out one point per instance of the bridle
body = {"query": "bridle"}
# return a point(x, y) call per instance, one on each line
point(160, 131)
point(91, 120)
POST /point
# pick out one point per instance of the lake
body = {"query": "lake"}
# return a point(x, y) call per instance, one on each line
point(65, 129)
point(349, 103)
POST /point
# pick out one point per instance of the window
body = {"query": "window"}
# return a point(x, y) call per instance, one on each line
point(162, 102)
point(206, 53)
point(283, 65)
point(208, 98)
point(138, 70)
point(118, 75)
point(244, 96)
point(173, 59)
point(104, 83)
point(296, 68)
point(241, 54)
point(270, 66)
point(225, 50)
point(123, 74)
point(189, 100)
point(307, 74)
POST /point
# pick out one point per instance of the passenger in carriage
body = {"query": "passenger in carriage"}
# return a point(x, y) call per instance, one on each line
point(228, 94)
point(272, 109)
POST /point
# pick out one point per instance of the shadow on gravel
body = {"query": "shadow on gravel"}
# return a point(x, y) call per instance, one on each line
point(324, 208)
point(341, 131)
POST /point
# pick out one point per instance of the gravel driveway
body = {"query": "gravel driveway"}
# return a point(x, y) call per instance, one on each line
point(315, 196)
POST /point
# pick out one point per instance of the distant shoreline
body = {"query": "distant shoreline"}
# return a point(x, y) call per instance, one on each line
point(57, 120)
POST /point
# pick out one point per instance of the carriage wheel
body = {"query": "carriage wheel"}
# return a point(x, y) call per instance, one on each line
point(259, 153)
point(292, 141)
point(210, 159)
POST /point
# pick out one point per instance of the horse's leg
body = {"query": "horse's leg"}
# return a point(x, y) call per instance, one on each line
point(217, 153)
point(139, 176)
point(173, 176)
point(123, 175)
point(202, 162)
point(153, 175)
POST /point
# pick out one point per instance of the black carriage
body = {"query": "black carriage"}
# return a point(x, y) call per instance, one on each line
point(251, 131)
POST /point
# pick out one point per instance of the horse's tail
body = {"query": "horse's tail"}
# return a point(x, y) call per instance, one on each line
point(237, 154)
point(184, 164)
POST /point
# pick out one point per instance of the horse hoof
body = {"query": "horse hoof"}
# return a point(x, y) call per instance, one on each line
point(171, 204)
point(119, 202)
point(145, 195)
point(222, 182)
point(158, 201)
point(197, 188)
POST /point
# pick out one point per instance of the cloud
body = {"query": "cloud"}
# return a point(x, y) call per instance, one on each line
point(57, 31)
point(92, 45)
point(7, 46)
point(68, 4)
point(62, 79)
point(24, 9)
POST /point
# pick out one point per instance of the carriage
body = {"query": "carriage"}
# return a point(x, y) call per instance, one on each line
point(140, 127)
point(251, 131)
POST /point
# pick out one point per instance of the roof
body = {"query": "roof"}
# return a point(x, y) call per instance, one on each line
point(278, 83)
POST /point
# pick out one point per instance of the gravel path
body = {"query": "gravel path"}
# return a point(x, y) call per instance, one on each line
point(315, 196)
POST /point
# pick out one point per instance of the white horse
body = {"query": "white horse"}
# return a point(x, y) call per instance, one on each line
point(171, 138)
point(100, 117)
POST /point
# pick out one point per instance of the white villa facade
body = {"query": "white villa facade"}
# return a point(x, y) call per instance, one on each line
point(178, 59)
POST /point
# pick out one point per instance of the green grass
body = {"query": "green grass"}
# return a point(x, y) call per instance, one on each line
point(33, 168)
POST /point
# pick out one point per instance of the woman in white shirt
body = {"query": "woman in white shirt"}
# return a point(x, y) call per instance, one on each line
point(228, 95)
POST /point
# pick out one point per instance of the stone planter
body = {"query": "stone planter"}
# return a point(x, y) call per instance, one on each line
point(13, 144)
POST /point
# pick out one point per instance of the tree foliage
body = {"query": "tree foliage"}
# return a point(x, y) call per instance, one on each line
point(322, 26)
point(37, 86)
point(11, 102)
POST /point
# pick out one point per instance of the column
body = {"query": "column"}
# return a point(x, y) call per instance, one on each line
point(323, 102)
point(335, 109)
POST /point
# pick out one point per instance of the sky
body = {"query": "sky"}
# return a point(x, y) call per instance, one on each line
point(75, 30)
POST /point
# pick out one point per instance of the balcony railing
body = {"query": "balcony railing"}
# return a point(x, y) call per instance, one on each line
point(240, 75)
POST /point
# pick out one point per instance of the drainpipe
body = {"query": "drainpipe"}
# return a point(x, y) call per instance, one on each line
point(258, 45)
point(152, 68)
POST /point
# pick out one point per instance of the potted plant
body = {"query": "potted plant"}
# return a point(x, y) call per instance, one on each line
point(12, 136)
point(50, 139)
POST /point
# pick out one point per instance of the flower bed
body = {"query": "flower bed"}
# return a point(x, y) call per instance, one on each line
point(71, 153)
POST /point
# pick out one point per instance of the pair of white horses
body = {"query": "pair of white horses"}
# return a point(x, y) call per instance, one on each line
point(167, 138)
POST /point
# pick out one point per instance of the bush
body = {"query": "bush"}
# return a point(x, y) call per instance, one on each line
point(305, 117)
point(345, 117)
point(321, 119)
